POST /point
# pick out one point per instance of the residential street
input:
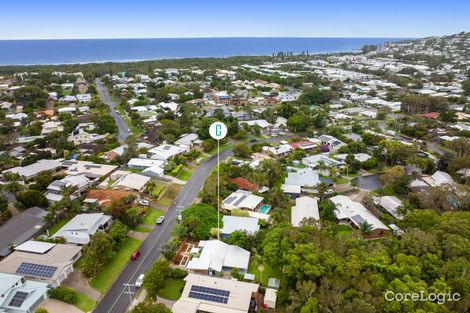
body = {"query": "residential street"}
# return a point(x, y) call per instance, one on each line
point(116, 300)
point(123, 132)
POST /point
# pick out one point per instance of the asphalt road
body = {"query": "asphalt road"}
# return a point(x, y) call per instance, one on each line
point(369, 182)
point(117, 300)
point(123, 128)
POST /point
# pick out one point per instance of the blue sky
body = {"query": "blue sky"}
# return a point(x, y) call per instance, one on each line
point(33, 19)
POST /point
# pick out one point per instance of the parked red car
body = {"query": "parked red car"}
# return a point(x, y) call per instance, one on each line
point(135, 255)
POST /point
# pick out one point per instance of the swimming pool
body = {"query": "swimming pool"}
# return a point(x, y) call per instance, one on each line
point(264, 208)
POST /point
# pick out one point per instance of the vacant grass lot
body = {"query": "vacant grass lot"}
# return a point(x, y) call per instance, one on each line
point(151, 217)
point(172, 290)
point(105, 279)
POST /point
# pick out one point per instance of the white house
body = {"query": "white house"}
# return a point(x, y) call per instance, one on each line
point(305, 177)
point(354, 213)
point(203, 293)
point(80, 228)
point(305, 208)
point(83, 97)
point(149, 167)
point(187, 141)
point(166, 151)
point(131, 182)
point(171, 106)
point(314, 160)
point(19, 295)
point(239, 223)
point(390, 204)
point(32, 170)
point(242, 199)
point(216, 256)
point(41, 261)
point(264, 125)
point(89, 169)
point(55, 189)
point(51, 126)
point(361, 157)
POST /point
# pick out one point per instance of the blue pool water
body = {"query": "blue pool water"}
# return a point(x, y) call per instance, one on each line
point(265, 208)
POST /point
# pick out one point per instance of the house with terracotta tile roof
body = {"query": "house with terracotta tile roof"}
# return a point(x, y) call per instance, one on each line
point(243, 184)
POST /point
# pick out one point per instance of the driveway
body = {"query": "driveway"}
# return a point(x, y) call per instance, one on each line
point(123, 132)
point(78, 282)
point(56, 306)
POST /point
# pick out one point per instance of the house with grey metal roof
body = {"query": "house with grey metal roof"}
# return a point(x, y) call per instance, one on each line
point(29, 171)
point(239, 223)
point(80, 228)
point(305, 177)
point(56, 188)
point(19, 295)
point(20, 228)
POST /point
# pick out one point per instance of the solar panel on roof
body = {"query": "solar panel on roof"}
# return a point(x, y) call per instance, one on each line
point(39, 270)
point(88, 166)
point(166, 148)
point(358, 219)
point(240, 200)
point(229, 200)
point(18, 299)
point(209, 294)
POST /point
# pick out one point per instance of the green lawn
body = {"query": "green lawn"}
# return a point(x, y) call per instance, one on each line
point(164, 201)
point(222, 148)
point(107, 276)
point(172, 290)
point(58, 226)
point(269, 272)
point(342, 229)
point(341, 181)
point(143, 229)
point(85, 303)
point(156, 192)
point(151, 216)
point(185, 174)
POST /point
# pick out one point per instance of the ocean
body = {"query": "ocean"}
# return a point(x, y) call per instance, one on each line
point(67, 51)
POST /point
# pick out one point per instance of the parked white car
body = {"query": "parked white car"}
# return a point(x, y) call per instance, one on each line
point(144, 202)
point(139, 282)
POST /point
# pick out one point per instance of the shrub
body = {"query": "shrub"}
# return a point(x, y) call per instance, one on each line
point(369, 164)
point(177, 170)
point(63, 294)
point(178, 273)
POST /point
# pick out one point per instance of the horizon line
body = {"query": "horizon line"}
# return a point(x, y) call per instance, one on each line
point(218, 37)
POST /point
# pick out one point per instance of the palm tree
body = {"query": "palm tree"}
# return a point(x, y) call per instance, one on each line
point(365, 228)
